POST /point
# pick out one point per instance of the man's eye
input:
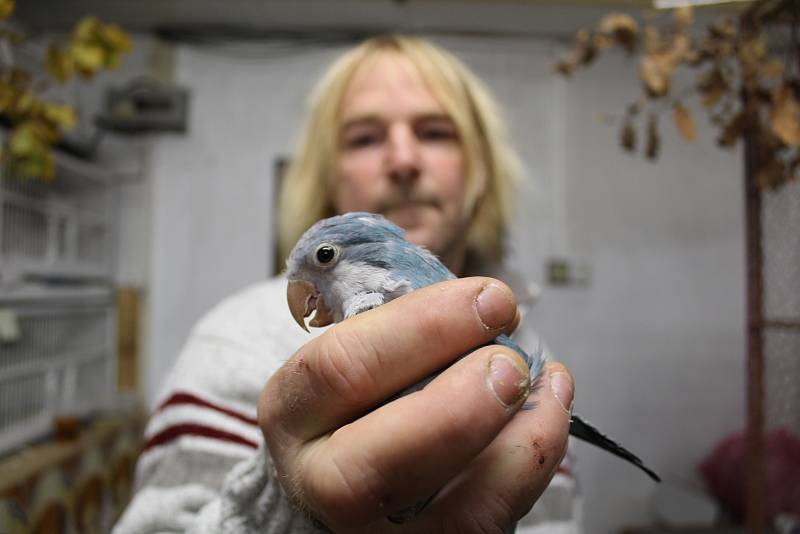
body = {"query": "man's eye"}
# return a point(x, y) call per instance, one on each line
point(360, 141)
point(437, 133)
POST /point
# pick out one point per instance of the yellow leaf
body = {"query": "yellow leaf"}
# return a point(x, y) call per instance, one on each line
point(24, 141)
point(114, 37)
point(59, 64)
point(7, 95)
point(684, 122)
point(24, 103)
point(785, 115)
point(623, 28)
point(62, 115)
point(86, 29)
point(6, 8)
point(87, 58)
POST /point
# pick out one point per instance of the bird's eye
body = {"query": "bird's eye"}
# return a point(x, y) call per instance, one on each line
point(325, 254)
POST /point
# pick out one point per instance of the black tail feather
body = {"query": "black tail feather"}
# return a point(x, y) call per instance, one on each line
point(583, 430)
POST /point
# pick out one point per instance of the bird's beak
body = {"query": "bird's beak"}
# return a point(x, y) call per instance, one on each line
point(303, 298)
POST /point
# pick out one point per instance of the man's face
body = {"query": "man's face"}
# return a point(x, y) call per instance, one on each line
point(400, 155)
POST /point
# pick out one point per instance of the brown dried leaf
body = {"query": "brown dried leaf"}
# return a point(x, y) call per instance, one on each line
point(602, 41)
point(564, 67)
point(750, 54)
point(732, 131)
point(712, 86)
point(684, 122)
point(785, 115)
point(655, 71)
point(725, 28)
point(683, 17)
point(652, 39)
point(771, 174)
point(772, 69)
point(623, 28)
point(653, 139)
point(59, 64)
point(627, 136)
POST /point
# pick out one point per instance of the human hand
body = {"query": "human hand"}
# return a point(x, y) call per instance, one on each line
point(351, 465)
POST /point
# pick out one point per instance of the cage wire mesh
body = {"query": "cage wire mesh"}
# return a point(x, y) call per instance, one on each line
point(56, 246)
point(780, 218)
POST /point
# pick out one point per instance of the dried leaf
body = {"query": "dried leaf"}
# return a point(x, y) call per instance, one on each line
point(7, 95)
point(732, 131)
point(59, 64)
point(655, 71)
point(653, 139)
point(725, 28)
point(652, 39)
point(88, 58)
point(602, 41)
point(627, 136)
point(683, 17)
point(114, 37)
point(59, 114)
point(750, 54)
point(771, 174)
point(86, 29)
point(712, 86)
point(785, 115)
point(564, 67)
point(634, 108)
point(6, 8)
point(623, 28)
point(684, 122)
point(772, 69)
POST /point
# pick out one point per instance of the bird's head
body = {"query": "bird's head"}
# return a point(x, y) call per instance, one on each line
point(329, 244)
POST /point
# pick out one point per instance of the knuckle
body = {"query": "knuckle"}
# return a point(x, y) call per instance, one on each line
point(347, 493)
point(343, 366)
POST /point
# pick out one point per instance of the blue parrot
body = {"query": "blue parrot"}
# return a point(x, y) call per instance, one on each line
point(351, 263)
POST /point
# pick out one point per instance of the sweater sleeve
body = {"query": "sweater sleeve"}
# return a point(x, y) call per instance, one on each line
point(204, 467)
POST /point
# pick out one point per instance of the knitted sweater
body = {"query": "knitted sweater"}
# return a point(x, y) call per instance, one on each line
point(204, 467)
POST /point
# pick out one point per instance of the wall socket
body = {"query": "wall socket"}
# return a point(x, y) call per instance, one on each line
point(568, 271)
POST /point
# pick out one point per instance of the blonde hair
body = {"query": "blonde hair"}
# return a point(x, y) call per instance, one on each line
point(306, 194)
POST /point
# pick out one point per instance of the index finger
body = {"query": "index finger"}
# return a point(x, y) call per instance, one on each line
point(359, 363)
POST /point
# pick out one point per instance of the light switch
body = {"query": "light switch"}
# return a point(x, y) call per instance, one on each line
point(9, 326)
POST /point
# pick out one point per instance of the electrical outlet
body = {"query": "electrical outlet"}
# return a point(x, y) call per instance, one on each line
point(9, 326)
point(564, 271)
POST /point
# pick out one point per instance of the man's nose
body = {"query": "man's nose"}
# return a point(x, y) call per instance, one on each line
point(403, 155)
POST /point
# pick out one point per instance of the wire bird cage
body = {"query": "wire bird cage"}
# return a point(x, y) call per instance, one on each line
point(773, 340)
point(57, 322)
point(780, 220)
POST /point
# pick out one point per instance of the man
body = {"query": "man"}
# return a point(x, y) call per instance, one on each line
point(399, 127)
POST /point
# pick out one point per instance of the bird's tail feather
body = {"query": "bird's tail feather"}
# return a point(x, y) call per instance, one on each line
point(588, 433)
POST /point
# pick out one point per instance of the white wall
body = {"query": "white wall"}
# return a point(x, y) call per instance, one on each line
point(655, 342)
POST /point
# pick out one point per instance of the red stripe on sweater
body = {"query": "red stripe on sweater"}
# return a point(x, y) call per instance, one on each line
point(173, 432)
point(188, 398)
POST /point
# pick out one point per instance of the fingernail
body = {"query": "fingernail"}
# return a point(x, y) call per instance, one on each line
point(561, 386)
point(508, 382)
point(495, 307)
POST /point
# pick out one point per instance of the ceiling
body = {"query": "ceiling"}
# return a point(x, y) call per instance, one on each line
point(265, 18)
